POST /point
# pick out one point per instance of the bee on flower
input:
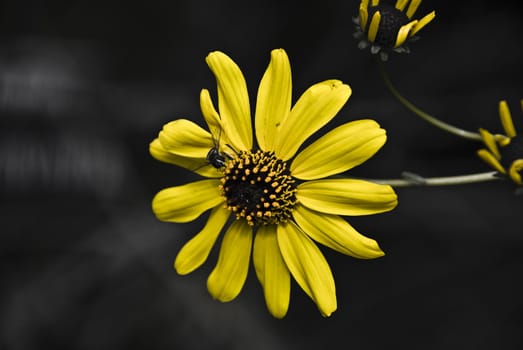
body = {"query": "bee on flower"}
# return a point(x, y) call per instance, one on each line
point(386, 28)
point(274, 201)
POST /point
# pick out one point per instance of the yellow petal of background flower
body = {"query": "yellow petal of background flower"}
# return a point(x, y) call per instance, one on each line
point(185, 138)
point(506, 119)
point(187, 202)
point(404, 33)
point(491, 160)
point(339, 150)
point(413, 7)
point(364, 16)
point(336, 233)
point(401, 4)
point(346, 196)
point(233, 98)
point(226, 280)
point(198, 165)
point(315, 108)
point(515, 170)
point(490, 141)
point(273, 103)
point(422, 23)
point(308, 266)
point(271, 271)
point(195, 252)
point(373, 27)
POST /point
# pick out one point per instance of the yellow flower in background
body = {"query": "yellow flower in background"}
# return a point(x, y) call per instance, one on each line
point(504, 153)
point(387, 28)
point(280, 200)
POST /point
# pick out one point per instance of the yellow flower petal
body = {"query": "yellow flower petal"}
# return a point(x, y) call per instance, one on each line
point(185, 138)
point(336, 233)
point(491, 160)
point(374, 25)
point(490, 141)
point(346, 196)
point(515, 171)
point(502, 140)
point(226, 280)
point(271, 271)
point(506, 119)
point(308, 267)
point(404, 33)
point(339, 150)
point(211, 116)
point(401, 4)
point(422, 23)
point(274, 99)
point(187, 202)
point(233, 99)
point(413, 7)
point(195, 252)
point(198, 165)
point(315, 108)
point(214, 122)
point(375, 2)
point(364, 16)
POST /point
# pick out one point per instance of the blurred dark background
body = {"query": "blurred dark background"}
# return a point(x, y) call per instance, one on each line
point(86, 85)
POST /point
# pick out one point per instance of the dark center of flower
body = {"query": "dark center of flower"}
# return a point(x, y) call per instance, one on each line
point(259, 188)
point(512, 152)
point(391, 21)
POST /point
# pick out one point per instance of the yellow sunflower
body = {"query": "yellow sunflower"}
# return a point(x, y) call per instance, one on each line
point(281, 203)
point(387, 28)
point(504, 153)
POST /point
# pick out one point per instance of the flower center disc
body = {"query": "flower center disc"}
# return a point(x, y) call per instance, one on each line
point(259, 188)
point(391, 21)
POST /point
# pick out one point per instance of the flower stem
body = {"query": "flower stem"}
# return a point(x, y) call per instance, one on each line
point(412, 179)
point(433, 120)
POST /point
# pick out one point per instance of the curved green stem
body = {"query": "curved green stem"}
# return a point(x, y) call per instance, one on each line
point(433, 120)
point(411, 179)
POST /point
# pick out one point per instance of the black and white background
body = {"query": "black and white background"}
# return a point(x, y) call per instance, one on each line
point(86, 85)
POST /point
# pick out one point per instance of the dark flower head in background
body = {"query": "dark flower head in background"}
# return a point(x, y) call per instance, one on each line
point(386, 28)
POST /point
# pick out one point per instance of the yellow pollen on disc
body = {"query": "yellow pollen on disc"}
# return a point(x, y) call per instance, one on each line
point(259, 188)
